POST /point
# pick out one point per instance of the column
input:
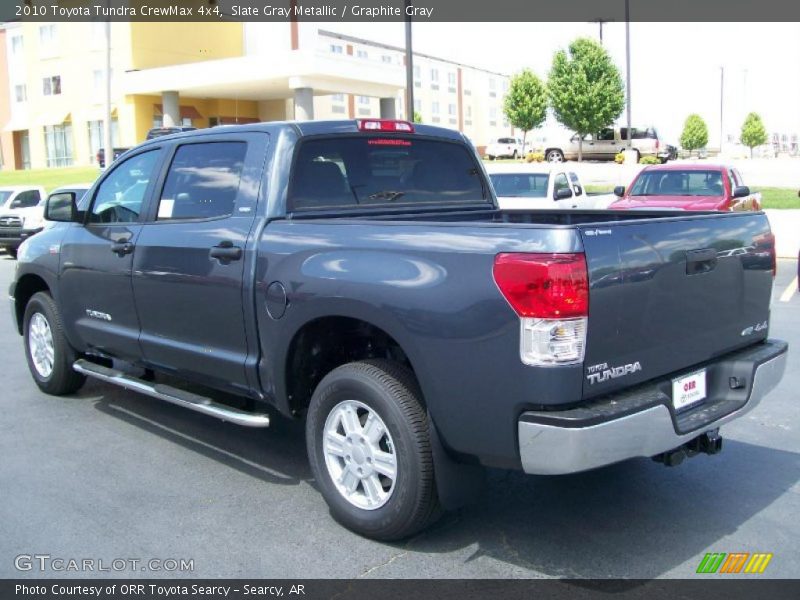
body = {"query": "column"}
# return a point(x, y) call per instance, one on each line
point(389, 109)
point(171, 109)
point(303, 104)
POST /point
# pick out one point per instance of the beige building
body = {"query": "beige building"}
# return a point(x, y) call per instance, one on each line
point(203, 74)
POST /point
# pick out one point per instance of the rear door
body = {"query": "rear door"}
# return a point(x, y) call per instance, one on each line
point(191, 256)
point(670, 293)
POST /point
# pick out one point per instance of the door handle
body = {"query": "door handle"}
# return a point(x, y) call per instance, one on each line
point(701, 261)
point(122, 247)
point(225, 252)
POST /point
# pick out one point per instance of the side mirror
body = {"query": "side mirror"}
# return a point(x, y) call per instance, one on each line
point(740, 191)
point(61, 207)
point(562, 194)
point(619, 191)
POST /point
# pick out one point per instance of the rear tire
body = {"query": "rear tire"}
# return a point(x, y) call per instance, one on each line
point(49, 355)
point(370, 451)
point(554, 156)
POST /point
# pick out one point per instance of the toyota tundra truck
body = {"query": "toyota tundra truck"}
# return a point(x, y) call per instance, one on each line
point(359, 275)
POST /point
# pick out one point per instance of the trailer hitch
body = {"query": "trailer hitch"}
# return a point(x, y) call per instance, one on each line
point(708, 443)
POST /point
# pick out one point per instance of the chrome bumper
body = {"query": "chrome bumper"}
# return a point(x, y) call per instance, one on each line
point(553, 449)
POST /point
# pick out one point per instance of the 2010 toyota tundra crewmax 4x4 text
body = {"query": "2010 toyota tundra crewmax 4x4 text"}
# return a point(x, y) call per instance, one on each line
point(359, 275)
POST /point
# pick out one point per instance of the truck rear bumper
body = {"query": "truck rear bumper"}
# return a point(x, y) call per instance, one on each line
point(641, 422)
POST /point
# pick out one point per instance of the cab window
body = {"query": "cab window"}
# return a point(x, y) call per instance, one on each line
point(121, 194)
point(203, 181)
point(26, 199)
point(560, 182)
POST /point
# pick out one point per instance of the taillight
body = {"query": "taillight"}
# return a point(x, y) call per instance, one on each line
point(385, 125)
point(773, 253)
point(550, 293)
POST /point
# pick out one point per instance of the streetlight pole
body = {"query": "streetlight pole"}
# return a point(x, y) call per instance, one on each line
point(107, 140)
point(721, 105)
point(629, 145)
point(409, 68)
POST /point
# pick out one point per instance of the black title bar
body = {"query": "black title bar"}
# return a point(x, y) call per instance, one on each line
point(399, 10)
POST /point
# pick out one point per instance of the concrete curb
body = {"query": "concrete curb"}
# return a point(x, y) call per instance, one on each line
point(785, 225)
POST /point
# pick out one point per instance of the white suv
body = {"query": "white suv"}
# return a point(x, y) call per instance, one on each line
point(505, 147)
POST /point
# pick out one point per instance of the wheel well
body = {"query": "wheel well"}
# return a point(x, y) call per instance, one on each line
point(324, 344)
point(551, 149)
point(26, 287)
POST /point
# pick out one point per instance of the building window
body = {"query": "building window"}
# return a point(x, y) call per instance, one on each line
point(492, 117)
point(435, 119)
point(452, 121)
point(363, 99)
point(451, 82)
point(362, 54)
point(468, 92)
point(58, 145)
point(337, 109)
point(48, 40)
point(20, 93)
point(336, 49)
point(99, 82)
point(434, 74)
point(469, 112)
point(51, 86)
point(386, 58)
point(96, 130)
point(435, 107)
point(492, 84)
point(451, 109)
point(17, 46)
point(417, 105)
point(364, 112)
point(337, 97)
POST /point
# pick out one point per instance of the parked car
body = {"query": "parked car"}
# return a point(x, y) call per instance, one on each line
point(358, 275)
point(101, 156)
point(505, 147)
point(16, 202)
point(23, 216)
point(159, 131)
point(543, 188)
point(688, 187)
point(606, 144)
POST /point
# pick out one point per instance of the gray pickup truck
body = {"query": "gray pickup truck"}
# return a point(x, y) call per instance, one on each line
point(359, 275)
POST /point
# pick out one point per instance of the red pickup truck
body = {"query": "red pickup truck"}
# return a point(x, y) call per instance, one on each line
point(687, 187)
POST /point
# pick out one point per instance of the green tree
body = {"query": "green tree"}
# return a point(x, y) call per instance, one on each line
point(585, 88)
point(695, 133)
point(525, 104)
point(753, 132)
point(417, 117)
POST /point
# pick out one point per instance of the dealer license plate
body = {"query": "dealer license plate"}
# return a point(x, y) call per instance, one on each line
point(689, 389)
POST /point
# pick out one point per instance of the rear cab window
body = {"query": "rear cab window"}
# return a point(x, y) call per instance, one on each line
point(383, 171)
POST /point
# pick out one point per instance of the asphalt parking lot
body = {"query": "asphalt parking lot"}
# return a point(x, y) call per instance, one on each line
point(110, 474)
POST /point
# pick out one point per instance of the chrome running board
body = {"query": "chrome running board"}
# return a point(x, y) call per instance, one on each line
point(172, 395)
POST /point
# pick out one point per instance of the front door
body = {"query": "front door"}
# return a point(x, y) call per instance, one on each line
point(190, 260)
point(97, 256)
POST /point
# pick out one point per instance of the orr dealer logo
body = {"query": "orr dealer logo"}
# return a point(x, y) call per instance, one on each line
point(735, 562)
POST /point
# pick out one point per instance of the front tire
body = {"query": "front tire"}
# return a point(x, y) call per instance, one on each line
point(555, 156)
point(370, 452)
point(49, 355)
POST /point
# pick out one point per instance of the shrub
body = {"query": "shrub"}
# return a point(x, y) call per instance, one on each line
point(619, 158)
point(649, 160)
point(534, 157)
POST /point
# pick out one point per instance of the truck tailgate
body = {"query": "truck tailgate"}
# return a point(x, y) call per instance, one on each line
point(666, 295)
